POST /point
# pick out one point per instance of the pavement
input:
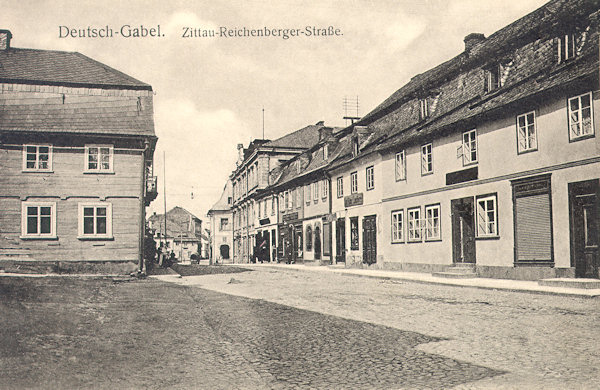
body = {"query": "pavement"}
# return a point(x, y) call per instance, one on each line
point(420, 277)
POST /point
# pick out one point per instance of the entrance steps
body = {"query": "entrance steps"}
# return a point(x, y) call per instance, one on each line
point(457, 271)
point(571, 283)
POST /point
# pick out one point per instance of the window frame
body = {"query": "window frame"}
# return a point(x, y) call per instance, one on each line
point(354, 182)
point(24, 220)
point(370, 185)
point(80, 221)
point(400, 176)
point(468, 144)
point(325, 152)
point(325, 191)
point(400, 238)
point(37, 157)
point(308, 238)
point(340, 186)
point(527, 125)
point(580, 122)
point(354, 244)
point(307, 194)
point(437, 237)
point(315, 190)
point(424, 109)
point(485, 198)
point(410, 212)
point(428, 172)
point(111, 154)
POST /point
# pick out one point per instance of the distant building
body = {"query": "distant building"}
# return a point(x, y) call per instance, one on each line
point(221, 227)
point(76, 148)
point(183, 234)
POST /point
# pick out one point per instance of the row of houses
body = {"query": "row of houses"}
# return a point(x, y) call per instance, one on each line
point(487, 162)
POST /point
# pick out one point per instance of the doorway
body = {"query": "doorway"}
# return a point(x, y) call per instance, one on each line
point(463, 230)
point(340, 240)
point(370, 239)
point(583, 223)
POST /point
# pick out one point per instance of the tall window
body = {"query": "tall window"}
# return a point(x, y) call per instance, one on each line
point(354, 182)
point(37, 157)
point(340, 186)
point(99, 158)
point(469, 144)
point(325, 189)
point(426, 159)
point(95, 220)
point(354, 233)
point(493, 77)
point(432, 220)
point(38, 220)
point(308, 238)
point(293, 200)
point(423, 109)
point(287, 200)
point(265, 208)
point(526, 133)
point(400, 166)
point(487, 216)
point(315, 190)
point(299, 204)
point(307, 196)
point(398, 226)
point(325, 152)
point(581, 124)
point(355, 146)
point(414, 224)
point(273, 206)
point(571, 43)
point(370, 174)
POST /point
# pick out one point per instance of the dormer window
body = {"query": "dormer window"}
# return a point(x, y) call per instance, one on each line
point(423, 109)
point(570, 44)
point(493, 77)
point(325, 152)
point(355, 146)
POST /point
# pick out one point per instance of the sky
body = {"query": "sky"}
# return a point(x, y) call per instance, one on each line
point(210, 91)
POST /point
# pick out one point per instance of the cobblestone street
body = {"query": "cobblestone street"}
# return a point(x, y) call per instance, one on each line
point(538, 341)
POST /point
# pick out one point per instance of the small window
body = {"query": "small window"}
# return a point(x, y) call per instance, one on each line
point(526, 133)
point(423, 109)
point(493, 77)
point(37, 158)
point(99, 158)
point(354, 233)
point(340, 187)
point(38, 220)
point(224, 224)
point(354, 182)
point(400, 166)
point(355, 146)
point(426, 159)
point(581, 124)
point(370, 175)
point(95, 220)
point(432, 223)
point(487, 216)
point(397, 226)
point(570, 44)
point(469, 144)
point(325, 189)
point(308, 238)
point(414, 224)
point(229, 200)
point(315, 189)
point(325, 152)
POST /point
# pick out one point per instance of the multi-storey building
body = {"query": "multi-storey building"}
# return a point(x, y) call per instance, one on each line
point(251, 178)
point(221, 227)
point(490, 159)
point(180, 232)
point(76, 147)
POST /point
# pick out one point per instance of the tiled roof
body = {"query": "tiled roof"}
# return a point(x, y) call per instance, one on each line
point(178, 223)
point(49, 67)
point(222, 204)
point(302, 138)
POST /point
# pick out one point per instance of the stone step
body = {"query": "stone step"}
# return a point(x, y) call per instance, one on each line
point(571, 283)
point(455, 275)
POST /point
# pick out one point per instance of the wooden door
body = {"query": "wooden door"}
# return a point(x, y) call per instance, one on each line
point(463, 230)
point(340, 240)
point(584, 221)
point(370, 239)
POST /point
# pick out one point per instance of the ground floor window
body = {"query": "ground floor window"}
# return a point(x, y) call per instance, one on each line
point(308, 238)
point(414, 224)
point(432, 221)
point(95, 220)
point(38, 220)
point(487, 216)
point(397, 226)
point(354, 233)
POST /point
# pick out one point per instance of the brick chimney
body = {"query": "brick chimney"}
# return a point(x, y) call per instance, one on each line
point(5, 37)
point(472, 40)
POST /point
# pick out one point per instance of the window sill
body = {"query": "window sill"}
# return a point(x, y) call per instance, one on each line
point(470, 164)
point(414, 241)
point(398, 242)
point(51, 238)
point(370, 189)
point(526, 151)
point(399, 180)
point(426, 173)
point(95, 238)
point(433, 240)
point(98, 172)
point(488, 238)
point(581, 138)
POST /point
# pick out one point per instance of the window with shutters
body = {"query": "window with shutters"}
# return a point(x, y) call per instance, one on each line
point(581, 124)
point(400, 166)
point(526, 133)
point(397, 226)
point(469, 145)
point(487, 216)
point(533, 220)
point(340, 187)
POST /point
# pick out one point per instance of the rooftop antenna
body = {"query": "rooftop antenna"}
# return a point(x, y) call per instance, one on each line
point(350, 109)
point(263, 113)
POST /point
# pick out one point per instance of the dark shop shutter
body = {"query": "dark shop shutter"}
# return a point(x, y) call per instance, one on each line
point(533, 228)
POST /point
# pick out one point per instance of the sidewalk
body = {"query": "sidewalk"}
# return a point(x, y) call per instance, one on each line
point(419, 277)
